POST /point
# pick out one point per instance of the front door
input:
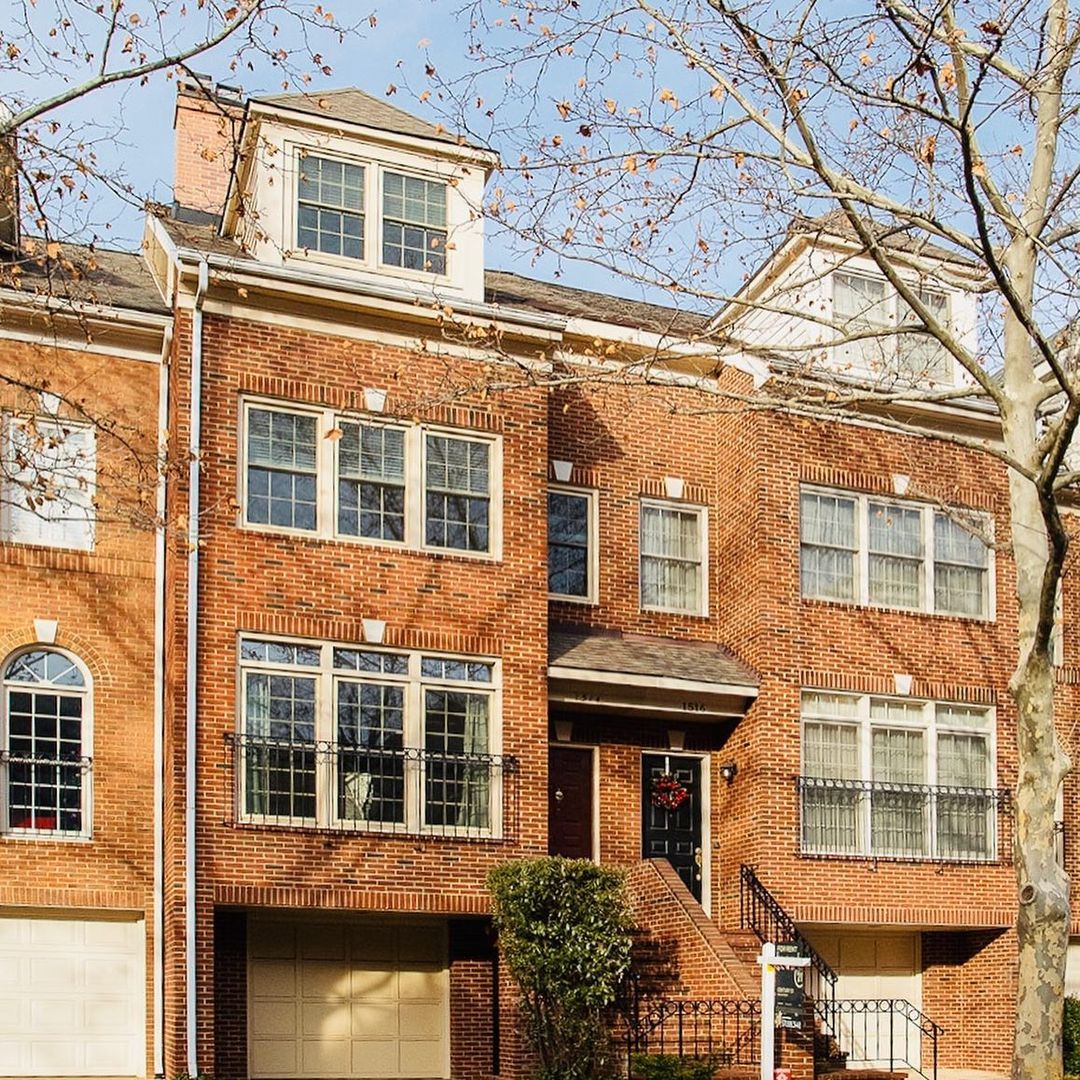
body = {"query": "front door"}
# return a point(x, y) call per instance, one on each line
point(671, 814)
point(570, 802)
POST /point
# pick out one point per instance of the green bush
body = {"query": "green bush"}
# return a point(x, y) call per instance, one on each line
point(564, 931)
point(1070, 1040)
point(673, 1067)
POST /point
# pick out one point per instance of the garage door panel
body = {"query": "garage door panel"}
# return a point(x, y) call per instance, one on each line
point(328, 1020)
point(273, 1018)
point(274, 1058)
point(421, 1021)
point(325, 979)
point(275, 978)
point(422, 944)
point(322, 942)
point(323, 1057)
point(421, 1058)
point(370, 1020)
point(377, 983)
point(425, 985)
point(375, 1059)
point(373, 943)
point(72, 997)
point(271, 941)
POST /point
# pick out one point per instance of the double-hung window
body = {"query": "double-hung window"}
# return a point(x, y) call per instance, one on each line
point(363, 738)
point(869, 550)
point(311, 471)
point(330, 207)
point(673, 561)
point(47, 482)
point(414, 223)
point(340, 204)
point(45, 759)
point(875, 322)
point(896, 778)
point(572, 544)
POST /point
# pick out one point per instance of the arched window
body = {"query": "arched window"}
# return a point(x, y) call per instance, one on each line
point(45, 761)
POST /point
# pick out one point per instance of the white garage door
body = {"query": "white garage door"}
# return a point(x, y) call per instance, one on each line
point(347, 999)
point(873, 966)
point(72, 997)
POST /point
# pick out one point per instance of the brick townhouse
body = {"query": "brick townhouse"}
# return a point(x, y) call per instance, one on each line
point(407, 626)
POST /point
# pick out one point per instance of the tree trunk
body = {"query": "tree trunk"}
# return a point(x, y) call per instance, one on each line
point(1042, 924)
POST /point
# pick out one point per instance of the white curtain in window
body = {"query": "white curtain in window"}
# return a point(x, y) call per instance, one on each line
point(961, 560)
point(256, 756)
point(475, 810)
point(827, 530)
point(964, 818)
point(899, 817)
point(895, 544)
point(670, 558)
point(830, 811)
point(860, 307)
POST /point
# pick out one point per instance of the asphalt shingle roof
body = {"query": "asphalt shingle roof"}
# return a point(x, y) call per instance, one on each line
point(634, 654)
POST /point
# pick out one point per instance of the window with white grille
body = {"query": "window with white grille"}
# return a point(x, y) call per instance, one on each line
point(893, 553)
point(672, 552)
point(897, 778)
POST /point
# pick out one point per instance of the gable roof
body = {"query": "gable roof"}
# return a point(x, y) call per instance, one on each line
point(351, 105)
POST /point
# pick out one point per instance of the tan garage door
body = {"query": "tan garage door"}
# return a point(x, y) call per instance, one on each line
point(348, 999)
point(72, 997)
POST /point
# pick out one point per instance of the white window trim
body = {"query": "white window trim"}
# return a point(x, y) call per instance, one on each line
point(372, 213)
point(327, 679)
point(930, 728)
point(926, 572)
point(7, 526)
point(702, 608)
point(893, 302)
point(592, 594)
point(86, 834)
point(326, 480)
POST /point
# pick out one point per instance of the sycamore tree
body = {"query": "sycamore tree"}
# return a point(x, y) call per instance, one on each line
point(72, 75)
point(669, 141)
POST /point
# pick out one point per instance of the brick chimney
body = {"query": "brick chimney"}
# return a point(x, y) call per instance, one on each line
point(207, 122)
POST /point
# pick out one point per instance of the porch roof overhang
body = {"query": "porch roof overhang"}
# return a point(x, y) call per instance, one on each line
point(594, 671)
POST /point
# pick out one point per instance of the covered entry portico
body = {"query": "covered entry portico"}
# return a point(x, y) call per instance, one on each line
point(635, 726)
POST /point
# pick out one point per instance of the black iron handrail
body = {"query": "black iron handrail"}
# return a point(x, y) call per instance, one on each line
point(871, 1032)
point(761, 912)
point(948, 823)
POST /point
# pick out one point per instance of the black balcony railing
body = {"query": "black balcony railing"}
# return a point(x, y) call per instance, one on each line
point(886, 1033)
point(405, 790)
point(46, 793)
point(871, 819)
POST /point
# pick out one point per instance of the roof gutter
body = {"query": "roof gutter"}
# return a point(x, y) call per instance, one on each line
point(388, 293)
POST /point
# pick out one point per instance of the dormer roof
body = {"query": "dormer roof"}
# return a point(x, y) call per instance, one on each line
point(352, 106)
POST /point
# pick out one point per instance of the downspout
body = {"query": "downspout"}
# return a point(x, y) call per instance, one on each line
point(159, 711)
point(192, 680)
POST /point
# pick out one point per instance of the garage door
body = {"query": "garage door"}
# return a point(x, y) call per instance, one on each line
point(72, 997)
point(872, 966)
point(346, 999)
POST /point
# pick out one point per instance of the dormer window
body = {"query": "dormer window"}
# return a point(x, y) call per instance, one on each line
point(414, 223)
point(330, 209)
point(868, 305)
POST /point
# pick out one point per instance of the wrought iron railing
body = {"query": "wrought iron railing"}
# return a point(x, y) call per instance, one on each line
point(344, 787)
point(883, 1032)
point(724, 1031)
point(761, 912)
point(872, 819)
point(46, 793)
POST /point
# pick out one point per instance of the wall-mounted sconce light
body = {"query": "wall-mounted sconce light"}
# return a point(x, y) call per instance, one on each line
point(728, 770)
point(564, 729)
point(676, 739)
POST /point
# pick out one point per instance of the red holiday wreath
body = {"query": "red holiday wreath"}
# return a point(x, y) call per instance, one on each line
point(668, 793)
